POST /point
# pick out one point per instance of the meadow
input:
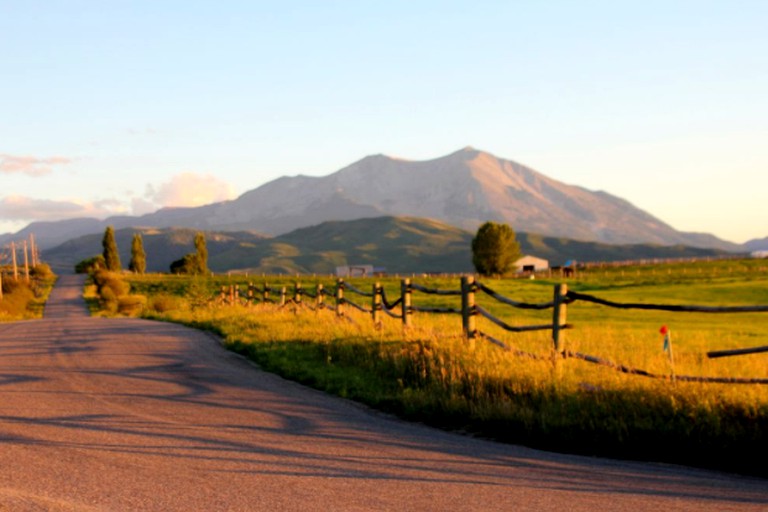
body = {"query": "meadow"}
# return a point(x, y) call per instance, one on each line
point(430, 373)
point(22, 299)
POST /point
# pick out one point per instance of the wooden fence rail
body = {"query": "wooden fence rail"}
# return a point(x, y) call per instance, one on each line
point(403, 309)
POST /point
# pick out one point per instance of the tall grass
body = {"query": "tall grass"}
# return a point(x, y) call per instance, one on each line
point(429, 373)
point(22, 299)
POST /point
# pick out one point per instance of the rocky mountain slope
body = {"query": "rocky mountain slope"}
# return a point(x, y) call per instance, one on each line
point(462, 189)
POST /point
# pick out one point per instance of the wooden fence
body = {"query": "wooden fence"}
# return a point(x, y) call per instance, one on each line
point(403, 309)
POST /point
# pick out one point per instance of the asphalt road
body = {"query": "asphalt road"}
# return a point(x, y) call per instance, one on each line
point(126, 414)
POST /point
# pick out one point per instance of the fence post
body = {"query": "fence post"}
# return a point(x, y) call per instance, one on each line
point(340, 297)
point(376, 305)
point(297, 293)
point(320, 295)
point(468, 311)
point(283, 292)
point(559, 315)
point(223, 294)
point(405, 301)
point(250, 294)
point(265, 296)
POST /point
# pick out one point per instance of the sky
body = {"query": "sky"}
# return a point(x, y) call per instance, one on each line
point(125, 106)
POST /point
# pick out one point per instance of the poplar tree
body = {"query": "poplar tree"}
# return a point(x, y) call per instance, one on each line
point(202, 253)
point(111, 257)
point(138, 262)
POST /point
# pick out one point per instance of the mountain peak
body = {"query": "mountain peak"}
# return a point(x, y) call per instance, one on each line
point(464, 189)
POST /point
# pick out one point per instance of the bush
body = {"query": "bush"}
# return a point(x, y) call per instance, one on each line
point(111, 281)
point(110, 288)
point(189, 264)
point(17, 296)
point(131, 304)
point(41, 271)
point(163, 303)
point(91, 265)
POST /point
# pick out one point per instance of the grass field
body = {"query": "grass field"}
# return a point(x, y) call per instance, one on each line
point(431, 374)
point(22, 299)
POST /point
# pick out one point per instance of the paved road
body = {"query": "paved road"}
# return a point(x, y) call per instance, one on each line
point(125, 414)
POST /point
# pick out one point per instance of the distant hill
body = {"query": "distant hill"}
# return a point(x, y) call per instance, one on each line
point(760, 244)
point(399, 244)
point(163, 246)
point(463, 189)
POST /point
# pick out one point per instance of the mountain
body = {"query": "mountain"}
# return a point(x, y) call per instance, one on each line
point(758, 244)
point(464, 189)
point(399, 244)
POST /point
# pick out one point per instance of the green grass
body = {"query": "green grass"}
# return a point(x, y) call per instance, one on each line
point(431, 374)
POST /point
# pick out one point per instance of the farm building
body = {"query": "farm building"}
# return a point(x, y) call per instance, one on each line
point(355, 271)
point(531, 264)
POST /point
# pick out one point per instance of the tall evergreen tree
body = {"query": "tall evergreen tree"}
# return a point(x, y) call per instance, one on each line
point(111, 257)
point(202, 253)
point(495, 249)
point(138, 262)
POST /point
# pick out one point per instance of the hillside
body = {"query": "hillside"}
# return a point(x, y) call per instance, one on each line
point(162, 246)
point(757, 245)
point(463, 189)
point(398, 244)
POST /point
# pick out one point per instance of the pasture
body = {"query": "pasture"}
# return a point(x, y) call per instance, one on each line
point(524, 394)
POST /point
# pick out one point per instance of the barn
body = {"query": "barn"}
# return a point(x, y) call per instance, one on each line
point(531, 264)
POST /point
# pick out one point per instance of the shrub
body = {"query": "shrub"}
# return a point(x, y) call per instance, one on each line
point(131, 304)
point(91, 265)
point(163, 303)
point(111, 288)
point(189, 264)
point(17, 295)
point(42, 271)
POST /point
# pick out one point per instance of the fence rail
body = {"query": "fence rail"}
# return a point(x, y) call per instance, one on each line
point(470, 311)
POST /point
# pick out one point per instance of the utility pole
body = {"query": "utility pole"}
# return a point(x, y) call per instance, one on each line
point(26, 262)
point(13, 258)
point(33, 250)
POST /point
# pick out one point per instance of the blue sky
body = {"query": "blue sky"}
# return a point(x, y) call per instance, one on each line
point(125, 106)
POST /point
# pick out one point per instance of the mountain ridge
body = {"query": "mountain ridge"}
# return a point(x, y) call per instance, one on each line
point(399, 244)
point(464, 189)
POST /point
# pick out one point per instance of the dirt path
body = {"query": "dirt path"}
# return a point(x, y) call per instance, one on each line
point(123, 414)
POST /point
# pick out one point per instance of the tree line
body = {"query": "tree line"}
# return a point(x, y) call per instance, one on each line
point(495, 250)
point(193, 263)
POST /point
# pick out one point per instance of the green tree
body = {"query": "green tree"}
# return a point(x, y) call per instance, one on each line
point(90, 265)
point(495, 249)
point(187, 265)
point(138, 263)
point(202, 253)
point(111, 257)
point(195, 263)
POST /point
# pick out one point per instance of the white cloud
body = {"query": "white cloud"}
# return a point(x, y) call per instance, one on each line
point(20, 208)
point(185, 189)
point(30, 165)
point(141, 206)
